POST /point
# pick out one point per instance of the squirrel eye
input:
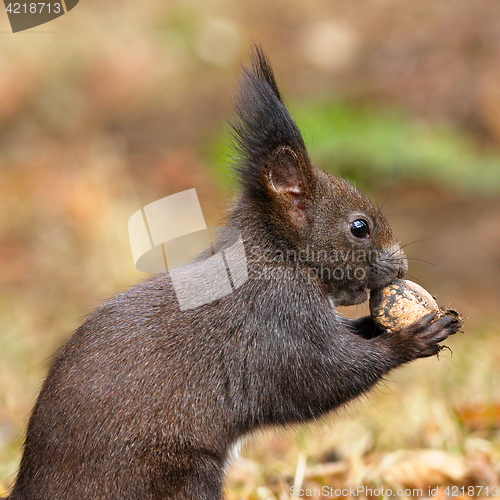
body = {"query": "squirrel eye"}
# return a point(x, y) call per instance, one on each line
point(360, 229)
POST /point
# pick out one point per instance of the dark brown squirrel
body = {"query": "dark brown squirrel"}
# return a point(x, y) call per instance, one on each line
point(146, 400)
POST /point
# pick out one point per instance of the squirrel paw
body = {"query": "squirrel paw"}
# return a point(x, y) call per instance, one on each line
point(421, 339)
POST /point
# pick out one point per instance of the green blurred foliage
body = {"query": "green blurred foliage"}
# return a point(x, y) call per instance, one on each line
point(378, 146)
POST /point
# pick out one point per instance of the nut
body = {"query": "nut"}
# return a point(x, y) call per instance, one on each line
point(400, 304)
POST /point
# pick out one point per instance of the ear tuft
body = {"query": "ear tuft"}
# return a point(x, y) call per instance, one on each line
point(263, 71)
point(265, 134)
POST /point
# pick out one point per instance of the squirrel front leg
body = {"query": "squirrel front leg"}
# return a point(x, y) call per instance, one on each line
point(418, 340)
point(355, 363)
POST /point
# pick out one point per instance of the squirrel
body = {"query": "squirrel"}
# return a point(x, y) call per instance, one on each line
point(145, 401)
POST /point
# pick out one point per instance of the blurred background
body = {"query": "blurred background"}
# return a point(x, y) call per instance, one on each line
point(120, 103)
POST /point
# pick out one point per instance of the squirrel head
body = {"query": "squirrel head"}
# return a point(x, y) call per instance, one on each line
point(321, 222)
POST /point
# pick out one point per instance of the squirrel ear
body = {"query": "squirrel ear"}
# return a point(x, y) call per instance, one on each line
point(284, 172)
point(290, 181)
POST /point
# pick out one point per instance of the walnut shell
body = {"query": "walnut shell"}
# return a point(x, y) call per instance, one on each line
point(400, 304)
